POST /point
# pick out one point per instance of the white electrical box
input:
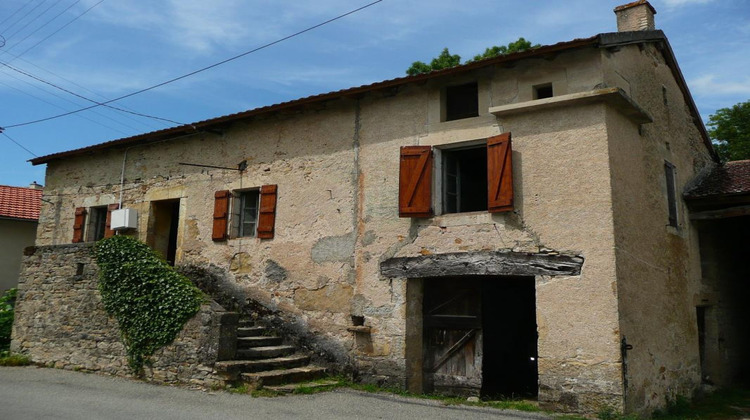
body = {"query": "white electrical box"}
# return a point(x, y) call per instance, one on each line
point(124, 219)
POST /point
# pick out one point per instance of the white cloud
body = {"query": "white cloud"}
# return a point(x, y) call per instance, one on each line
point(709, 85)
point(680, 3)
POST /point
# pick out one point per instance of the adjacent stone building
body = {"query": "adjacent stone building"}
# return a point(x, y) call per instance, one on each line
point(511, 226)
point(19, 212)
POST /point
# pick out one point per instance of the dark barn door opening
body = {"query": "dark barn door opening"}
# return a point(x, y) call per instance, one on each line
point(163, 227)
point(480, 336)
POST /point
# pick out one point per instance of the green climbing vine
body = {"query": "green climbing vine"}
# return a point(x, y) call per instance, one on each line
point(149, 299)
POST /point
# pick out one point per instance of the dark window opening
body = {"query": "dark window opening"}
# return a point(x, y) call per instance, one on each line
point(461, 101)
point(669, 172)
point(701, 318)
point(248, 213)
point(97, 223)
point(465, 180)
point(543, 91)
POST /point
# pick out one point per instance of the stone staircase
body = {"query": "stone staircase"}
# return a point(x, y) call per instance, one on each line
point(262, 360)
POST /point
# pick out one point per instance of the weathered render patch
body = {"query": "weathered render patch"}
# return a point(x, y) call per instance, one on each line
point(333, 249)
point(275, 272)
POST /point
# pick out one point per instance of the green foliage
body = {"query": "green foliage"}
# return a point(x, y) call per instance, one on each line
point(446, 59)
point(7, 306)
point(149, 299)
point(519, 45)
point(8, 359)
point(730, 130)
point(443, 61)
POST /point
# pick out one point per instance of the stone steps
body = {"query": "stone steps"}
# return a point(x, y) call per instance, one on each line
point(265, 352)
point(257, 341)
point(285, 376)
point(262, 359)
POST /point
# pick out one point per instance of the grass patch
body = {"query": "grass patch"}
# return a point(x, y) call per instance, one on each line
point(8, 359)
point(264, 392)
point(725, 404)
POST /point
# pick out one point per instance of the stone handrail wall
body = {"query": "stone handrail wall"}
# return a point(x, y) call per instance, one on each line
point(60, 321)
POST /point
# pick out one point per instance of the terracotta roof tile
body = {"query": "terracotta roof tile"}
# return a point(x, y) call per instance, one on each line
point(20, 203)
point(728, 179)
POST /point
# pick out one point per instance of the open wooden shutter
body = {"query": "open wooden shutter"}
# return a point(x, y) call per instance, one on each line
point(108, 232)
point(499, 174)
point(221, 215)
point(267, 217)
point(78, 224)
point(415, 182)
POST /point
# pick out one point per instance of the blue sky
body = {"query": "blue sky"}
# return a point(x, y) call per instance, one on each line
point(120, 46)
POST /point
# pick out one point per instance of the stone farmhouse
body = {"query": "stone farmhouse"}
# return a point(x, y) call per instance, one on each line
point(521, 225)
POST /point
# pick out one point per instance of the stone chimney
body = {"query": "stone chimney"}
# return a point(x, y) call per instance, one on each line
point(35, 186)
point(635, 16)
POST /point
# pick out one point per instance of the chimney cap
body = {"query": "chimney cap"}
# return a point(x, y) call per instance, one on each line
point(634, 4)
point(35, 186)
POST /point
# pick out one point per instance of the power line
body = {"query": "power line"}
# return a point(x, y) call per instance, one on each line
point(85, 98)
point(18, 144)
point(40, 27)
point(199, 70)
point(24, 16)
point(17, 10)
point(33, 20)
point(60, 28)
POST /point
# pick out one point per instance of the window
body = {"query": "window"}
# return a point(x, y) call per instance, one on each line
point(461, 101)
point(472, 178)
point(246, 213)
point(93, 223)
point(254, 213)
point(543, 91)
point(96, 224)
point(669, 173)
point(464, 181)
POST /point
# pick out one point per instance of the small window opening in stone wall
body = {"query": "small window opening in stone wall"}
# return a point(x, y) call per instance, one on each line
point(79, 269)
point(543, 91)
point(464, 179)
point(246, 206)
point(461, 101)
point(669, 173)
point(96, 224)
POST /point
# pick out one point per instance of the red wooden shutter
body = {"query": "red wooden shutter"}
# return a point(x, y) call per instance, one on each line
point(78, 223)
point(267, 217)
point(415, 182)
point(221, 215)
point(499, 174)
point(108, 232)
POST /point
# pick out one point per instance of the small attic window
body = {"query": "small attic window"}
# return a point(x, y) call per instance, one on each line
point(461, 101)
point(543, 91)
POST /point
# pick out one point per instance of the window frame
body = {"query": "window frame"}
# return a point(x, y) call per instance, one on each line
point(237, 221)
point(95, 227)
point(451, 91)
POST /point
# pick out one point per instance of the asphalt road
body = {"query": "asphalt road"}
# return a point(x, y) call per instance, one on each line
point(34, 393)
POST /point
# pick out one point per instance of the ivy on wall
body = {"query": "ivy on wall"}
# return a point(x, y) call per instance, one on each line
point(149, 299)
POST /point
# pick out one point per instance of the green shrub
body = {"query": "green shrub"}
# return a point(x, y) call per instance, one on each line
point(149, 299)
point(8, 359)
point(7, 305)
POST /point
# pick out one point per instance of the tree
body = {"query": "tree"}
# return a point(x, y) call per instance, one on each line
point(519, 45)
point(729, 129)
point(443, 61)
point(446, 59)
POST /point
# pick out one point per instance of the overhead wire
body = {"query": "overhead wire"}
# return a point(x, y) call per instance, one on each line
point(39, 28)
point(16, 12)
point(17, 143)
point(24, 16)
point(33, 20)
point(264, 46)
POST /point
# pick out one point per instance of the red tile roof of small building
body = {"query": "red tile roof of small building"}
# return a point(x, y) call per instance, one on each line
point(20, 202)
point(730, 178)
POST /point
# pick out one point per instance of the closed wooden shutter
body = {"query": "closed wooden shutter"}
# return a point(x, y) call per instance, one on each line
point(499, 174)
point(267, 217)
point(415, 182)
point(78, 224)
point(221, 215)
point(108, 232)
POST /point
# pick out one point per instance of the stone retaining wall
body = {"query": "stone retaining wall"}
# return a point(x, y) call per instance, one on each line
point(61, 322)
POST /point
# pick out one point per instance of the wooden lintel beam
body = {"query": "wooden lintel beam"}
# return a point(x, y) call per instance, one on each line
point(735, 211)
point(487, 263)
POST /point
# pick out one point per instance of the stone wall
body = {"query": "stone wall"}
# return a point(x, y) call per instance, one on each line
point(61, 322)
